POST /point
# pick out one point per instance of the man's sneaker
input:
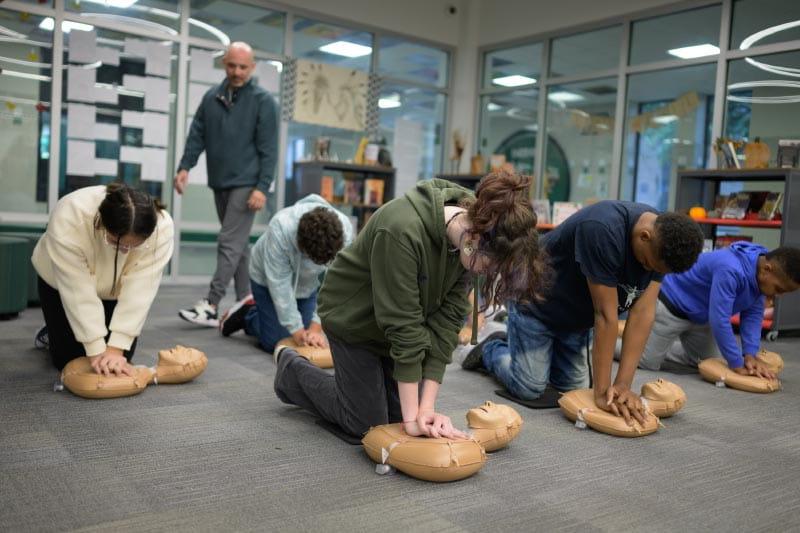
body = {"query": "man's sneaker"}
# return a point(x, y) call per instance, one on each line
point(474, 359)
point(41, 340)
point(234, 318)
point(203, 313)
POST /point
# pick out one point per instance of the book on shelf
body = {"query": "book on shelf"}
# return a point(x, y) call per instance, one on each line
point(772, 205)
point(724, 241)
point(542, 210)
point(326, 188)
point(563, 210)
point(353, 191)
point(720, 202)
point(736, 207)
point(373, 192)
point(757, 199)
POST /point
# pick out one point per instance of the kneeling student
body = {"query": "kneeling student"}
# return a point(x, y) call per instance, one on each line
point(100, 264)
point(696, 306)
point(606, 258)
point(285, 268)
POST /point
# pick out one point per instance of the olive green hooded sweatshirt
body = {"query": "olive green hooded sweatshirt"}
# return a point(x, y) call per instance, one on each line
point(397, 288)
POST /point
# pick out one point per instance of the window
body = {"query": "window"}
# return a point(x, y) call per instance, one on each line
point(513, 67)
point(586, 52)
point(667, 127)
point(760, 98)
point(756, 22)
point(226, 21)
point(580, 132)
point(326, 43)
point(685, 35)
point(509, 127)
point(412, 62)
point(25, 84)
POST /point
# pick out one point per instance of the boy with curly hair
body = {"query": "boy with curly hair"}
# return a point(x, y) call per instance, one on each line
point(606, 258)
point(286, 265)
point(693, 317)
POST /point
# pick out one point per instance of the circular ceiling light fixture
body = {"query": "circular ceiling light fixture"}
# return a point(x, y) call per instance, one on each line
point(757, 36)
point(785, 99)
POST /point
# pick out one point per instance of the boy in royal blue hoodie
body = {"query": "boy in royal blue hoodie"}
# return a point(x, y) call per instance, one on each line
point(696, 306)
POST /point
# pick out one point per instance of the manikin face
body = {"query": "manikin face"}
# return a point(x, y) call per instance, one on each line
point(239, 66)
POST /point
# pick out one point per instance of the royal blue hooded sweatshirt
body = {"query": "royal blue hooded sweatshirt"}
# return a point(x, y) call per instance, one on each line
point(721, 284)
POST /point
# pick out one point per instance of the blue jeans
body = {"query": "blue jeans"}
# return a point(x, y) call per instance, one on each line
point(535, 355)
point(262, 320)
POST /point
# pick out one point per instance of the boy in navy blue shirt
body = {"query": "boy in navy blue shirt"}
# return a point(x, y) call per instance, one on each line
point(607, 258)
point(696, 306)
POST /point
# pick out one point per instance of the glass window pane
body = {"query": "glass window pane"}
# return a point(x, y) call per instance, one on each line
point(413, 62)
point(513, 67)
point(685, 35)
point(327, 43)
point(422, 114)
point(25, 82)
point(580, 138)
point(508, 127)
point(159, 15)
point(667, 128)
point(586, 52)
point(755, 22)
point(119, 111)
point(760, 101)
point(226, 21)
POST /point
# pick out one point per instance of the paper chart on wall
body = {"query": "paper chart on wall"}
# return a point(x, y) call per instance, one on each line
point(330, 96)
point(80, 158)
point(154, 164)
point(196, 93)
point(80, 84)
point(80, 121)
point(201, 67)
point(158, 59)
point(407, 154)
point(83, 46)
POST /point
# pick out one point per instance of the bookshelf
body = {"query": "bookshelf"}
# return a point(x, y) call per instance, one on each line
point(307, 178)
point(701, 187)
point(469, 181)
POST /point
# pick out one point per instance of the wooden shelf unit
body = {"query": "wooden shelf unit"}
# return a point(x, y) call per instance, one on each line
point(701, 187)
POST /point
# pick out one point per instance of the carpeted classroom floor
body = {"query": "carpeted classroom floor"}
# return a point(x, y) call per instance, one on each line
point(224, 454)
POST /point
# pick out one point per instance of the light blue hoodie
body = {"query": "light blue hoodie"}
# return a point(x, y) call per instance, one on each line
point(277, 263)
point(721, 284)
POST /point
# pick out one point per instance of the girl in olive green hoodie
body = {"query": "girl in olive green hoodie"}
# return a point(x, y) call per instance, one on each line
point(393, 302)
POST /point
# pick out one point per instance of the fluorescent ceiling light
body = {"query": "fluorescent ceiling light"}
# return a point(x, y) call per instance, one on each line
point(389, 102)
point(515, 80)
point(24, 75)
point(346, 49)
point(564, 96)
point(665, 119)
point(491, 106)
point(122, 4)
point(67, 26)
point(692, 52)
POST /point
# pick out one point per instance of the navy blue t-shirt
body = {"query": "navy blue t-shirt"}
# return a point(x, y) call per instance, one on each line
point(593, 244)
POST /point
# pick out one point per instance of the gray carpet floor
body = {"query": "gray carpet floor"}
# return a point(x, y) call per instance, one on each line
point(223, 453)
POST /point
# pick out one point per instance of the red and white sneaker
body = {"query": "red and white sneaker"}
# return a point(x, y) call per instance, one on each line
point(234, 318)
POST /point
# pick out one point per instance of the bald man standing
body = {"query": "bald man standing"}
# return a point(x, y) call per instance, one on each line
point(237, 126)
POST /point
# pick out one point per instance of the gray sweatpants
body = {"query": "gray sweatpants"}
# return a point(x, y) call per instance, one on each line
point(361, 393)
point(678, 340)
point(233, 248)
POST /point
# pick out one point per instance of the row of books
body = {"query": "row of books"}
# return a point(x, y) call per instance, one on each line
point(760, 205)
point(368, 192)
point(559, 213)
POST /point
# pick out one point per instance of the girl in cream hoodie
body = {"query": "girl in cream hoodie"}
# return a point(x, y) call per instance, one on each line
point(100, 263)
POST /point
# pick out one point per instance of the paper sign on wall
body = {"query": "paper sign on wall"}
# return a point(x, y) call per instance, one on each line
point(327, 95)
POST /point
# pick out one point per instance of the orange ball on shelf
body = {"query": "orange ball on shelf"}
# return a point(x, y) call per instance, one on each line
point(697, 213)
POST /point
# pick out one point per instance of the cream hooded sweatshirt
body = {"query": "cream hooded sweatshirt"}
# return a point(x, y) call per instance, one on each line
point(74, 258)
